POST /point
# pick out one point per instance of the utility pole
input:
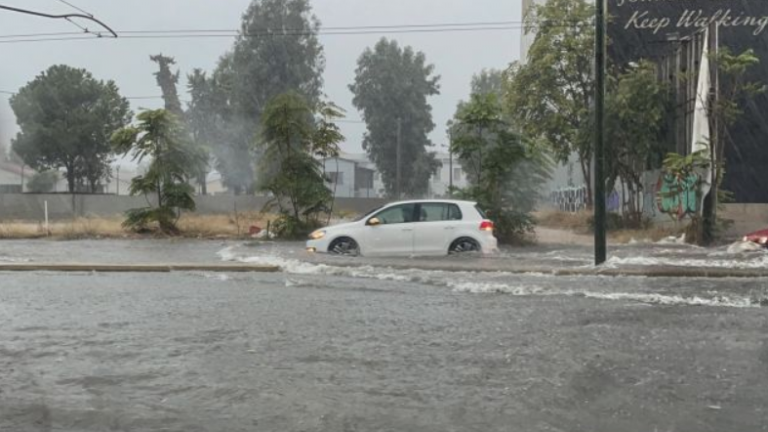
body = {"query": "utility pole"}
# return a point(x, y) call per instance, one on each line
point(600, 205)
point(450, 164)
point(118, 180)
point(399, 137)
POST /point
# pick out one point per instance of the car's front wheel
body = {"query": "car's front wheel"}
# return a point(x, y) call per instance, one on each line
point(344, 246)
point(464, 245)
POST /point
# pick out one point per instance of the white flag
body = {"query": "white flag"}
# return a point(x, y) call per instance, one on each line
point(700, 135)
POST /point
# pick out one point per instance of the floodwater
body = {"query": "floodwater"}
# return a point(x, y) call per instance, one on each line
point(325, 346)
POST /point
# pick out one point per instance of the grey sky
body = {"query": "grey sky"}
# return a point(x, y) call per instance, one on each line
point(456, 55)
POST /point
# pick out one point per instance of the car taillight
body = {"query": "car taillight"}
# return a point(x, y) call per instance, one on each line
point(486, 226)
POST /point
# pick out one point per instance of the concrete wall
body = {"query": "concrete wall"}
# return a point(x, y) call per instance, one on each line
point(746, 217)
point(63, 206)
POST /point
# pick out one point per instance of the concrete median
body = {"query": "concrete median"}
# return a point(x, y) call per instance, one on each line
point(138, 268)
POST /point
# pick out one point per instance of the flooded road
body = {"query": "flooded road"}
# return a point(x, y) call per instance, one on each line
point(375, 347)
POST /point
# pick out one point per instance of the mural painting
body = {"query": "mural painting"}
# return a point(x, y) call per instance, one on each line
point(676, 196)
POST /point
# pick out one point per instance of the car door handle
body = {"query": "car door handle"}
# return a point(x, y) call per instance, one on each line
point(449, 228)
point(407, 229)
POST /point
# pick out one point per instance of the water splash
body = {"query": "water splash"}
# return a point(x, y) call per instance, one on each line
point(494, 283)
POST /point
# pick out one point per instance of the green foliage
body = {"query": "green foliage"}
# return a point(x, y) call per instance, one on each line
point(394, 83)
point(733, 93)
point(289, 171)
point(160, 137)
point(637, 106)
point(43, 182)
point(327, 134)
point(550, 96)
point(66, 118)
point(276, 52)
point(167, 80)
point(683, 166)
point(505, 171)
point(488, 81)
point(734, 89)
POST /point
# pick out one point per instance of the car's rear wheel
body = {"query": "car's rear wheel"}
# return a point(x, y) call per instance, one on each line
point(464, 245)
point(344, 246)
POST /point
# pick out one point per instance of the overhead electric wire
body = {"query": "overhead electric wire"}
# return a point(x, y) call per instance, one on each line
point(59, 16)
point(75, 7)
point(275, 32)
point(233, 35)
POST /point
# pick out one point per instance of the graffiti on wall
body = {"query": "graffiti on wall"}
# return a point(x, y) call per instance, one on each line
point(613, 202)
point(574, 199)
point(663, 195)
point(678, 196)
point(569, 199)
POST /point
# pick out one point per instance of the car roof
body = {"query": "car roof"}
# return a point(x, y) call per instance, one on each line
point(443, 201)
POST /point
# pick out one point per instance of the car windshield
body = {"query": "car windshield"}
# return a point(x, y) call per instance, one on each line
point(368, 213)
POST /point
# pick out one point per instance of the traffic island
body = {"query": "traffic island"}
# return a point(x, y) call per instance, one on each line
point(139, 268)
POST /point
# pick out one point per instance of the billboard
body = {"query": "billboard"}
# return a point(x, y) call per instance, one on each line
point(668, 32)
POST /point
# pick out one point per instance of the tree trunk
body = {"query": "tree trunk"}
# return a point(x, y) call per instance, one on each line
point(71, 179)
point(586, 172)
point(203, 184)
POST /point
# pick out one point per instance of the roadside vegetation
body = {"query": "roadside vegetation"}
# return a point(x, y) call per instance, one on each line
point(232, 226)
point(582, 223)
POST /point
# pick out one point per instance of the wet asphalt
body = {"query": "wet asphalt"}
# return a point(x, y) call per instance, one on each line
point(370, 348)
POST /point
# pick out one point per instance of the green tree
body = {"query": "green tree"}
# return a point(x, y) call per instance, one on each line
point(488, 81)
point(160, 137)
point(733, 93)
point(391, 87)
point(289, 170)
point(277, 51)
point(551, 96)
point(506, 172)
point(168, 80)
point(637, 106)
point(66, 118)
point(43, 182)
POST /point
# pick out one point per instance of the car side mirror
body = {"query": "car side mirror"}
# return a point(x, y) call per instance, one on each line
point(373, 221)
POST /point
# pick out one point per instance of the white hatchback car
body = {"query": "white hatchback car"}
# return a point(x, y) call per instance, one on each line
point(405, 228)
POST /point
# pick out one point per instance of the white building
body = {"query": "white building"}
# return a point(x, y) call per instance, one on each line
point(441, 181)
point(13, 176)
point(351, 178)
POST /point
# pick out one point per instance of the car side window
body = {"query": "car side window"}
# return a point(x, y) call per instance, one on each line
point(454, 212)
point(397, 214)
point(438, 212)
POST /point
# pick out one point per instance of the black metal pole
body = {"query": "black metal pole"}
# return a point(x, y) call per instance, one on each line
point(599, 177)
point(450, 165)
point(397, 156)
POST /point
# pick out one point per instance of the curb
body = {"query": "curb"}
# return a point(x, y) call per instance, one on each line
point(139, 268)
point(649, 272)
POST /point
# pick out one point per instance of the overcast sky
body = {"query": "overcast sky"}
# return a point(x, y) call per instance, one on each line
point(456, 55)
